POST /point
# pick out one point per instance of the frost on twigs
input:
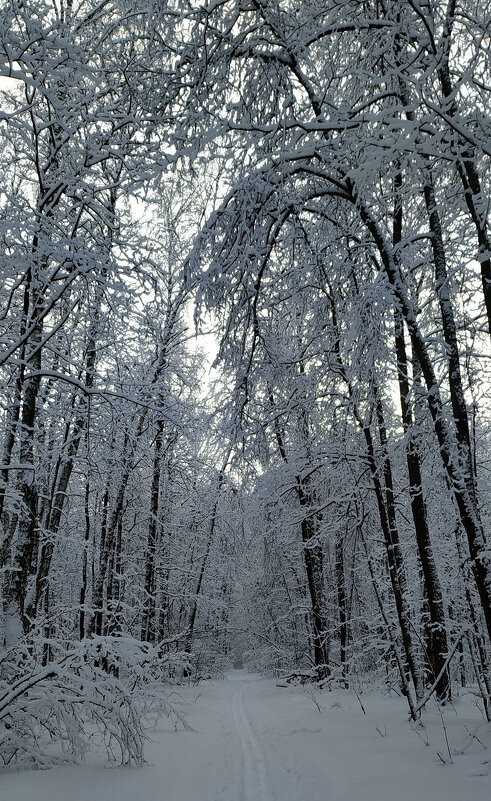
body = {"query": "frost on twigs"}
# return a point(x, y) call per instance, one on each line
point(91, 697)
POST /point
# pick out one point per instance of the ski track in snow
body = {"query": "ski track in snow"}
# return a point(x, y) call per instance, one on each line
point(255, 785)
point(251, 740)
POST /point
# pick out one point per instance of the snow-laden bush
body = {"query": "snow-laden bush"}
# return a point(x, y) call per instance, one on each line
point(94, 695)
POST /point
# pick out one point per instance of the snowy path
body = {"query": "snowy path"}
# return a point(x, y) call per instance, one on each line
point(254, 741)
point(255, 785)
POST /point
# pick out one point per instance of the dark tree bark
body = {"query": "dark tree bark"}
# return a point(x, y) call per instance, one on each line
point(191, 617)
point(18, 591)
point(437, 635)
point(384, 494)
point(465, 157)
point(148, 627)
point(437, 640)
point(313, 559)
point(314, 567)
point(455, 456)
point(342, 601)
point(151, 630)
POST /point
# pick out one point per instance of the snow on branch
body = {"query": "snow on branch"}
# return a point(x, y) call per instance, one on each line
point(94, 696)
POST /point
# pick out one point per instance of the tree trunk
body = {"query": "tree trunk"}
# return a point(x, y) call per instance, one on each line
point(437, 639)
point(191, 618)
point(149, 623)
point(342, 605)
point(314, 567)
point(476, 202)
point(20, 589)
point(313, 559)
point(462, 482)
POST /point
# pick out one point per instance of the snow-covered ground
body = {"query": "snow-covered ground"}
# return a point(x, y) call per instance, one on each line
point(254, 741)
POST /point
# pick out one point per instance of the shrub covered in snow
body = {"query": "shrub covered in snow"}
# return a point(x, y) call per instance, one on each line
point(95, 694)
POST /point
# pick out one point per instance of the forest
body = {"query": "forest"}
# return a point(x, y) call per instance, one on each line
point(245, 363)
